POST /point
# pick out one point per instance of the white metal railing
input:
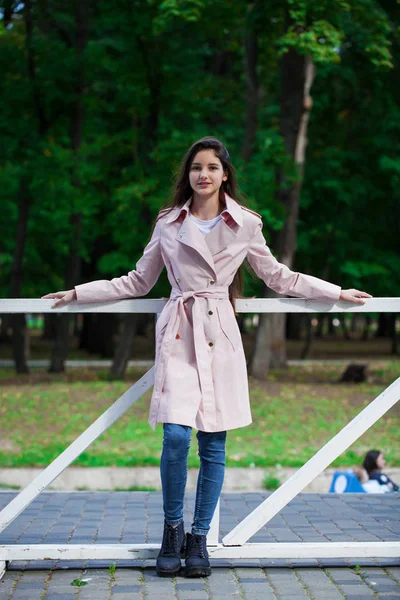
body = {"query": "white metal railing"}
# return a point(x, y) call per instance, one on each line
point(234, 544)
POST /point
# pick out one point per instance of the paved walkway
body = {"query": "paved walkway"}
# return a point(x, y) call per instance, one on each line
point(112, 517)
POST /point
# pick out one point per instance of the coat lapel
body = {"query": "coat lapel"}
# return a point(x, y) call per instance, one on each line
point(220, 237)
point(190, 235)
point(224, 232)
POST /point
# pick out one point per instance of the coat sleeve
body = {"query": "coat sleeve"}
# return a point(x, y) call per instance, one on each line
point(281, 279)
point(136, 283)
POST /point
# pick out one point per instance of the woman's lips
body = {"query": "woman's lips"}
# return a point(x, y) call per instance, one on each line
point(204, 184)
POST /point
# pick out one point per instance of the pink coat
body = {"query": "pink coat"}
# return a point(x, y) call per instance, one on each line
point(201, 377)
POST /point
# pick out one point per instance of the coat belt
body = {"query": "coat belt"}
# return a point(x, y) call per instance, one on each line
point(199, 339)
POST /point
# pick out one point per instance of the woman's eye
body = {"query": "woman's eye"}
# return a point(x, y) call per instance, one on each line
point(198, 169)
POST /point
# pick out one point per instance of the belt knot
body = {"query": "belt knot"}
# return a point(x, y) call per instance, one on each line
point(187, 295)
point(218, 293)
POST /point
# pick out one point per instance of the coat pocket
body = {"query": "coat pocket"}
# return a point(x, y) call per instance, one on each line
point(228, 326)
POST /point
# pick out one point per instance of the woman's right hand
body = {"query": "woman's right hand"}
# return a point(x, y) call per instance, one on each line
point(62, 297)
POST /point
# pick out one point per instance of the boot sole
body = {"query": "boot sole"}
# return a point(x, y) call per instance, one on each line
point(168, 573)
point(173, 573)
point(197, 571)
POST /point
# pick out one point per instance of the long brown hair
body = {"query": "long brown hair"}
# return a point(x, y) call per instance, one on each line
point(182, 191)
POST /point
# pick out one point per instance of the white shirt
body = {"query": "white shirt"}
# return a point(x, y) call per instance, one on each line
point(374, 487)
point(205, 226)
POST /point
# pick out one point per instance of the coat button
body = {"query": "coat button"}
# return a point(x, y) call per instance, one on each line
point(178, 279)
point(177, 336)
point(210, 312)
point(212, 281)
point(210, 344)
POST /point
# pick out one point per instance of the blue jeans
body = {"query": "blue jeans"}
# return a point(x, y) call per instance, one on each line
point(173, 467)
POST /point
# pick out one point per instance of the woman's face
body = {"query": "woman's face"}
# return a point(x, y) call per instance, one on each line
point(380, 461)
point(206, 173)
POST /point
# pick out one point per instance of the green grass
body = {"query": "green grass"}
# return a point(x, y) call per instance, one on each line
point(271, 482)
point(295, 412)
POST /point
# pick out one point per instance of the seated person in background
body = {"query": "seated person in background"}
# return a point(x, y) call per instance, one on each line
point(374, 463)
point(372, 486)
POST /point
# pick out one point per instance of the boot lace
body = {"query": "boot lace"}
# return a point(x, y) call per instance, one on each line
point(196, 547)
point(170, 540)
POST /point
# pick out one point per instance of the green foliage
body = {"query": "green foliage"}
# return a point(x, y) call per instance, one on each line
point(79, 582)
point(159, 74)
point(111, 569)
point(271, 482)
point(321, 42)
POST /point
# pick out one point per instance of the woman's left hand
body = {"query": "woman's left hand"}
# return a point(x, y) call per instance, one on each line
point(354, 296)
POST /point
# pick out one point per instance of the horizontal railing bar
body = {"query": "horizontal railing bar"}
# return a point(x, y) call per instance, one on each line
point(251, 550)
point(245, 305)
point(95, 363)
point(6, 363)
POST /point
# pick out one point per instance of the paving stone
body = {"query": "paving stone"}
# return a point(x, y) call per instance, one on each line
point(129, 597)
point(137, 516)
point(319, 584)
point(60, 596)
point(351, 584)
point(194, 595)
point(362, 596)
point(285, 582)
point(119, 589)
point(394, 572)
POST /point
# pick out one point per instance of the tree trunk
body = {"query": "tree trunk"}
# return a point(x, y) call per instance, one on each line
point(143, 323)
point(367, 323)
point(106, 330)
point(353, 324)
point(250, 66)
point(319, 332)
point(84, 332)
point(124, 348)
point(383, 325)
point(18, 321)
point(5, 325)
point(344, 326)
point(294, 324)
point(297, 75)
point(331, 327)
point(309, 336)
point(49, 327)
point(60, 348)
point(393, 333)
point(90, 331)
point(261, 357)
point(154, 79)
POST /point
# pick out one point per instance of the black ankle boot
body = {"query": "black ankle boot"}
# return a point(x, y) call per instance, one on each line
point(196, 556)
point(172, 548)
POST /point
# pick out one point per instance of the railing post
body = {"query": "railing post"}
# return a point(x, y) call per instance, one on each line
point(213, 534)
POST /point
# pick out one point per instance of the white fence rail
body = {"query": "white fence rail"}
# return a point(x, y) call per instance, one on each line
point(234, 545)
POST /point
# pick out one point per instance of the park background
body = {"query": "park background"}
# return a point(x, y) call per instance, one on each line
point(100, 100)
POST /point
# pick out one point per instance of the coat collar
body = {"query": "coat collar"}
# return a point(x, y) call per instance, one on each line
point(232, 209)
point(224, 232)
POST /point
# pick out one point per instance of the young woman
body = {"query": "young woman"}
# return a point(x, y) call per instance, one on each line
point(201, 378)
point(374, 463)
